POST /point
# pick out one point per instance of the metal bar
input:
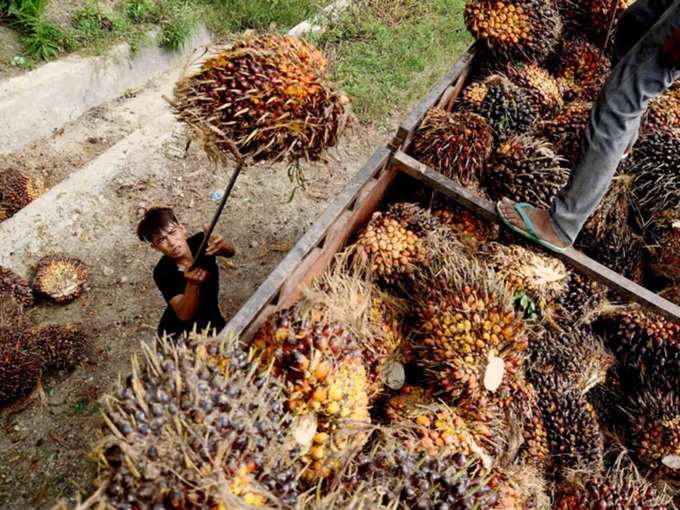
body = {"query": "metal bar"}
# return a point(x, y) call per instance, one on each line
point(576, 259)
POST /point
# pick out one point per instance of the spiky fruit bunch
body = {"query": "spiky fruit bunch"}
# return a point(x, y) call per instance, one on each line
point(20, 367)
point(18, 190)
point(664, 233)
point(542, 277)
point(526, 169)
point(455, 144)
point(392, 250)
point(623, 253)
point(600, 15)
point(60, 346)
point(543, 89)
point(611, 218)
point(574, 434)
point(654, 428)
point(654, 165)
point(15, 286)
point(413, 217)
point(196, 425)
point(388, 344)
point(566, 130)
point(574, 14)
point(663, 112)
point(470, 229)
point(583, 69)
point(60, 278)
point(648, 346)
point(582, 293)
point(268, 95)
point(507, 107)
point(525, 30)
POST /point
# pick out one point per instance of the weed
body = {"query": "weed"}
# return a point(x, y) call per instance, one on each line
point(236, 15)
point(142, 11)
point(177, 20)
point(42, 40)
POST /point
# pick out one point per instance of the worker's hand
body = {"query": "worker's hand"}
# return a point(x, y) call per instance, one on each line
point(217, 245)
point(195, 276)
point(669, 54)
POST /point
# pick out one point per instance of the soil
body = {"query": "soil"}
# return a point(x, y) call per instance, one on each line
point(46, 438)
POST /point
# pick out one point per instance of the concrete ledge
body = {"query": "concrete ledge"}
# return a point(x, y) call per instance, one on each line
point(34, 104)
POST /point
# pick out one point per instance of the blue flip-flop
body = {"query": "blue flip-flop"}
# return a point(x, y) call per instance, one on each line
point(530, 232)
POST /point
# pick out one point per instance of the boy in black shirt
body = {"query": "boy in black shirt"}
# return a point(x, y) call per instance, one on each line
point(191, 294)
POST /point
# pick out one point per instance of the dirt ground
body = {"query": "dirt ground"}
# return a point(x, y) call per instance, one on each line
point(45, 439)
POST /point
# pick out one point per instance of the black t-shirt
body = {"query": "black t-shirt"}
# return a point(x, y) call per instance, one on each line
point(170, 281)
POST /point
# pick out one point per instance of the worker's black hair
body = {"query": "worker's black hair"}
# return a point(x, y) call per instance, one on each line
point(155, 220)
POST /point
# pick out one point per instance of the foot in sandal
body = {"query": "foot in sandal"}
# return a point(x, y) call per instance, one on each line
point(533, 223)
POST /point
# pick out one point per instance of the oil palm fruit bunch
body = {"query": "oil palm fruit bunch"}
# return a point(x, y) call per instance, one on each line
point(600, 14)
point(583, 69)
point(574, 435)
point(18, 190)
point(60, 278)
point(543, 89)
point(506, 107)
point(654, 164)
point(196, 425)
point(664, 234)
point(20, 367)
point(542, 277)
point(623, 253)
point(619, 489)
point(574, 14)
point(672, 294)
point(654, 429)
point(13, 285)
point(565, 130)
point(457, 145)
point(60, 346)
point(582, 293)
point(470, 229)
point(525, 30)
point(413, 217)
point(526, 169)
point(268, 95)
point(388, 343)
point(663, 111)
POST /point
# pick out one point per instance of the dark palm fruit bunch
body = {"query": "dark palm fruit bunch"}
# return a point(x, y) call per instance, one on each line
point(413, 217)
point(455, 144)
point(20, 368)
point(526, 169)
point(648, 346)
point(525, 30)
point(60, 278)
point(16, 192)
point(469, 228)
point(624, 253)
point(543, 89)
point(582, 70)
point(672, 293)
point(663, 112)
point(566, 130)
point(654, 429)
point(507, 107)
point(60, 346)
point(195, 425)
point(15, 286)
point(574, 14)
point(600, 15)
point(664, 237)
point(268, 95)
point(574, 435)
point(613, 492)
point(583, 293)
point(654, 164)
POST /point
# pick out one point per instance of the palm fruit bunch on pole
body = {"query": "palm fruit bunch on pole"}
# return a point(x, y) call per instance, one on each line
point(566, 129)
point(654, 165)
point(621, 488)
point(457, 145)
point(13, 285)
point(654, 430)
point(647, 346)
point(196, 424)
point(582, 294)
point(544, 278)
point(320, 367)
point(18, 190)
point(60, 278)
point(469, 228)
point(664, 237)
point(525, 30)
point(526, 169)
point(543, 89)
point(60, 346)
point(506, 107)
point(268, 95)
point(582, 69)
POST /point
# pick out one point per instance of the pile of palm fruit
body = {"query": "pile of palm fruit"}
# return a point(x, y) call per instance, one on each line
point(17, 190)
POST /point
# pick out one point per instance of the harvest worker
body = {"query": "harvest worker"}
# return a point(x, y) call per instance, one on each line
point(647, 44)
point(191, 294)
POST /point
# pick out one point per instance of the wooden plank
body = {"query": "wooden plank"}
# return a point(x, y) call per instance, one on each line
point(573, 257)
point(252, 329)
point(267, 292)
point(413, 119)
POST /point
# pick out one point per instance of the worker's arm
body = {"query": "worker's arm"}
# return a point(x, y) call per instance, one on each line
point(670, 50)
point(186, 305)
point(219, 246)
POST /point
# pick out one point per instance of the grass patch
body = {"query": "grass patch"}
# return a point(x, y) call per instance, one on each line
point(387, 56)
point(236, 15)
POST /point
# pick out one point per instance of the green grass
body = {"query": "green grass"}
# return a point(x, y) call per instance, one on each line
point(236, 15)
point(387, 57)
